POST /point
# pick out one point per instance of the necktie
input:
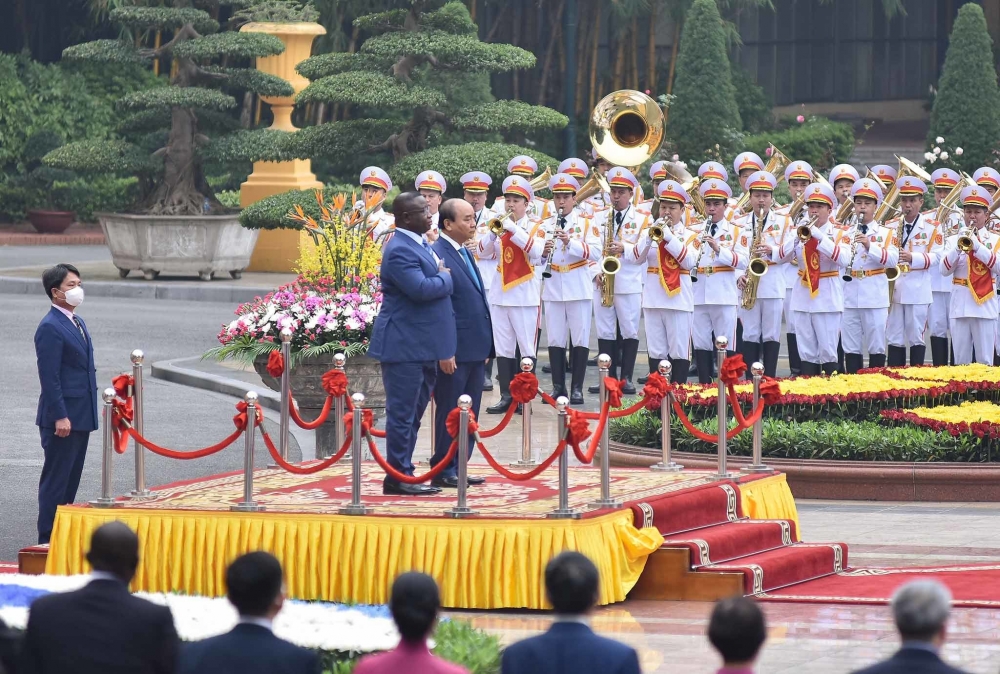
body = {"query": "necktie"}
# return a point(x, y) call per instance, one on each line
point(79, 326)
point(427, 247)
point(468, 263)
point(619, 218)
point(562, 222)
point(864, 229)
point(714, 229)
point(907, 231)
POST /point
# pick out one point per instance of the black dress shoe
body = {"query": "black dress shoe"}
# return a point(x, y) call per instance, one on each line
point(445, 482)
point(488, 385)
point(501, 406)
point(393, 488)
point(476, 480)
point(596, 388)
point(547, 369)
point(628, 389)
point(576, 397)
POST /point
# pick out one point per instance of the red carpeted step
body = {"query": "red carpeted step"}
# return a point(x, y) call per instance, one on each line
point(786, 566)
point(725, 542)
point(705, 506)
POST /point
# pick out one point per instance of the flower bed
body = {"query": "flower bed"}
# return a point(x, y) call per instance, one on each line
point(976, 376)
point(978, 418)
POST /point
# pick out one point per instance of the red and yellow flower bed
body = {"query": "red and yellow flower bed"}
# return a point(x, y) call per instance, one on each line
point(980, 418)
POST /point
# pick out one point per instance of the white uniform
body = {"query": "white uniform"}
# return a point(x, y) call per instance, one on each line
point(380, 224)
point(973, 323)
point(569, 292)
point(515, 310)
point(912, 297)
point(486, 261)
point(818, 319)
point(715, 294)
point(941, 285)
point(763, 321)
point(628, 281)
point(866, 296)
point(668, 315)
point(791, 270)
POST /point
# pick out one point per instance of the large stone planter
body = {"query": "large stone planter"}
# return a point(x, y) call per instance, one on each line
point(178, 244)
point(364, 375)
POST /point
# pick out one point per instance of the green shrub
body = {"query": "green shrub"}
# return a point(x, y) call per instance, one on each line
point(966, 110)
point(819, 141)
point(754, 103)
point(272, 212)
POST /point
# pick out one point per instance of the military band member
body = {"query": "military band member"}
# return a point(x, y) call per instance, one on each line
point(798, 175)
point(988, 178)
point(974, 304)
point(866, 295)
point(944, 180)
point(475, 187)
point(626, 224)
point(568, 293)
point(375, 183)
point(432, 186)
point(514, 295)
point(667, 297)
point(657, 174)
point(818, 296)
point(911, 300)
point(886, 174)
point(719, 256)
point(602, 200)
point(524, 166)
point(843, 177)
point(745, 165)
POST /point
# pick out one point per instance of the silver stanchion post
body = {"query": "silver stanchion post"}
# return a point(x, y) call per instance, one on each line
point(107, 500)
point(526, 457)
point(563, 512)
point(462, 508)
point(286, 390)
point(140, 490)
point(339, 360)
point(757, 465)
point(666, 464)
point(248, 505)
point(603, 365)
point(356, 507)
point(721, 342)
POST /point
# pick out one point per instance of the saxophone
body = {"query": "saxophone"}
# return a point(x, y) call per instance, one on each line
point(755, 270)
point(610, 265)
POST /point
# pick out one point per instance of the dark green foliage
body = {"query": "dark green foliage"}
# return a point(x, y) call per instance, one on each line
point(966, 110)
point(245, 79)
point(276, 11)
point(164, 18)
point(370, 89)
point(337, 140)
point(104, 51)
point(188, 97)
point(272, 212)
point(754, 103)
point(457, 51)
point(110, 156)
point(704, 115)
point(819, 141)
point(252, 145)
point(509, 115)
point(245, 45)
point(380, 22)
point(322, 65)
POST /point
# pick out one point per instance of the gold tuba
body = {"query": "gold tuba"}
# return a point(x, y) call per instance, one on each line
point(541, 181)
point(595, 184)
point(775, 166)
point(947, 204)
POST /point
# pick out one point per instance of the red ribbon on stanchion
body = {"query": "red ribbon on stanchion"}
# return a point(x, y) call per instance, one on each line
point(451, 423)
point(275, 364)
point(524, 387)
point(121, 384)
point(121, 416)
point(656, 389)
point(732, 370)
point(240, 420)
point(614, 388)
point(334, 382)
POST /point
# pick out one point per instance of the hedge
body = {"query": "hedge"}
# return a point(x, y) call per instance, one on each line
point(819, 141)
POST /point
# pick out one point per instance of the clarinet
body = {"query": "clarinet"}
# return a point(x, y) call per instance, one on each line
point(547, 272)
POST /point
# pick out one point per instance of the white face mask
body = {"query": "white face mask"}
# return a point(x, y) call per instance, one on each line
point(74, 296)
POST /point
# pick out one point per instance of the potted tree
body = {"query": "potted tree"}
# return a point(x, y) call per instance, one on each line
point(177, 223)
point(49, 193)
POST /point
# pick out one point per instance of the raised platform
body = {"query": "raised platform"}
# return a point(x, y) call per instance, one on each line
point(492, 560)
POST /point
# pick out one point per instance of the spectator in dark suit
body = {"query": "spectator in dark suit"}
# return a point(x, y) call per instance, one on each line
point(463, 373)
point(254, 585)
point(414, 604)
point(10, 649)
point(415, 329)
point(101, 628)
point(737, 631)
point(67, 406)
point(920, 610)
point(570, 647)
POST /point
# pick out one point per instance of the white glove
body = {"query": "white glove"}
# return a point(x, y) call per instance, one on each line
point(509, 225)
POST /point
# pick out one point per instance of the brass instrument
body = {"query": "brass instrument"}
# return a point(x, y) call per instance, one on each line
point(610, 265)
point(755, 269)
point(495, 225)
point(804, 231)
point(595, 184)
point(965, 240)
point(541, 182)
point(656, 231)
point(845, 212)
point(795, 209)
point(775, 166)
point(690, 184)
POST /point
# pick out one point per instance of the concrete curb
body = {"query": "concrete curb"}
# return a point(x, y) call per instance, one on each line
point(209, 292)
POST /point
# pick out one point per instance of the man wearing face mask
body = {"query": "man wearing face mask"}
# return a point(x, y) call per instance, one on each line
point(67, 406)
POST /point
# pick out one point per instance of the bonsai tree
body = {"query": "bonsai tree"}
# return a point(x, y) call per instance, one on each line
point(166, 128)
point(966, 110)
point(48, 188)
point(418, 91)
point(704, 117)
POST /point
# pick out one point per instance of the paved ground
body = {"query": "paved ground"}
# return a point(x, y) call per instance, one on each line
point(29, 256)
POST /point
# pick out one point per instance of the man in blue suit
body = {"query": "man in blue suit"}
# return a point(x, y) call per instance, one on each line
point(463, 373)
point(67, 406)
point(570, 647)
point(415, 329)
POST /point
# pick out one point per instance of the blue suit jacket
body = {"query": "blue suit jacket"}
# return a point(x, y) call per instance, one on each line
point(416, 322)
point(474, 330)
point(247, 649)
point(66, 372)
point(911, 661)
point(569, 648)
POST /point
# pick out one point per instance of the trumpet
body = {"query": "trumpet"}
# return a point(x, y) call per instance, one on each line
point(656, 231)
point(965, 240)
point(804, 231)
point(495, 225)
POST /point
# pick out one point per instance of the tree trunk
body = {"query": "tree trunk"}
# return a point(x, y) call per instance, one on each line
point(583, 49)
point(516, 41)
point(554, 39)
point(593, 57)
point(634, 39)
point(651, 49)
point(673, 65)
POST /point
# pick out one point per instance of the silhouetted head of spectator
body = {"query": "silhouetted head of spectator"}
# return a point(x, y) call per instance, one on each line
point(572, 583)
point(114, 549)
point(921, 610)
point(737, 631)
point(255, 585)
point(414, 605)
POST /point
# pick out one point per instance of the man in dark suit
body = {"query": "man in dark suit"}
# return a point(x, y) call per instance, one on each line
point(415, 329)
point(254, 585)
point(67, 406)
point(737, 630)
point(570, 647)
point(463, 373)
point(920, 610)
point(101, 628)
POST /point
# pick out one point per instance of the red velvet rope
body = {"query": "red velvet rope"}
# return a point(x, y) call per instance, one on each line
point(315, 423)
point(521, 477)
point(744, 422)
point(304, 470)
point(595, 440)
point(412, 479)
point(240, 420)
point(701, 435)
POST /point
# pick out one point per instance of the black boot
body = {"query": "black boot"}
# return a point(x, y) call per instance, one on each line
point(896, 356)
point(841, 361)
point(829, 368)
point(951, 358)
point(653, 364)
point(693, 368)
point(939, 351)
point(853, 362)
point(505, 372)
point(808, 369)
point(605, 346)
point(751, 354)
point(794, 360)
point(876, 360)
point(579, 362)
point(547, 368)
point(738, 346)
point(770, 361)
point(679, 370)
point(630, 349)
point(488, 380)
point(703, 357)
point(557, 362)
point(917, 355)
